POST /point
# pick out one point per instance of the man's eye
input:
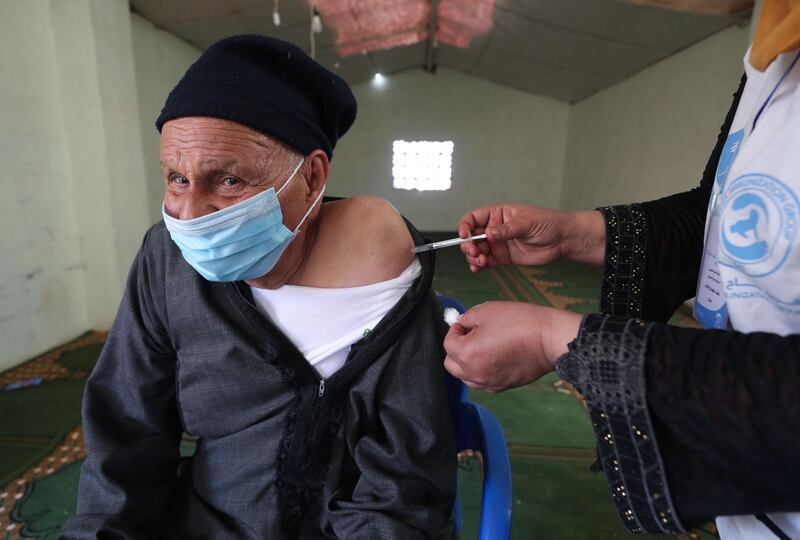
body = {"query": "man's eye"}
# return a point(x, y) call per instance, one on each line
point(230, 181)
point(178, 179)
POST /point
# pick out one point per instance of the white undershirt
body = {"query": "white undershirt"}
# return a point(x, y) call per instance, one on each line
point(324, 323)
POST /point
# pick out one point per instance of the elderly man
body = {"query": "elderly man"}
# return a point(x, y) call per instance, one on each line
point(298, 341)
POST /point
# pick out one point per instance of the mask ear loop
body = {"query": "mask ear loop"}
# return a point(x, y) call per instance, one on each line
point(291, 177)
point(297, 229)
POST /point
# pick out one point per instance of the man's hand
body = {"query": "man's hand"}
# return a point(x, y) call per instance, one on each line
point(528, 235)
point(500, 345)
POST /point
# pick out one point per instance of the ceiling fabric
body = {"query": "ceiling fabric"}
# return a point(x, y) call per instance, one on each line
point(362, 27)
point(564, 49)
point(458, 21)
point(702, 7)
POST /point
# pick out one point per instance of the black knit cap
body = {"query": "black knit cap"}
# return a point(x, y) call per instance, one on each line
point(269, 85)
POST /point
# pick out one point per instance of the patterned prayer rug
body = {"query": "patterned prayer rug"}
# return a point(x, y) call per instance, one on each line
point(41, 442)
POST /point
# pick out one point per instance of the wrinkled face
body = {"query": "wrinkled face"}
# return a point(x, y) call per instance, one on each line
point(209, 164)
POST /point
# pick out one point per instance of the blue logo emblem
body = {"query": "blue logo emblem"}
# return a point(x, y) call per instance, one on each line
point(743, 238)
point(759, 224)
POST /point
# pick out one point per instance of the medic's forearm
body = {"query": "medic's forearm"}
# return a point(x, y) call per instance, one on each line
point(584, 237)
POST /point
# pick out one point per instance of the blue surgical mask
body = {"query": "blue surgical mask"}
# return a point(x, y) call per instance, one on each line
point(240, 242)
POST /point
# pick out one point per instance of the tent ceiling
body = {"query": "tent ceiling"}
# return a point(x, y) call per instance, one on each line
point(565, 49)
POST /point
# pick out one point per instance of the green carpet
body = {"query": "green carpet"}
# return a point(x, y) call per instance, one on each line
point(548, 433)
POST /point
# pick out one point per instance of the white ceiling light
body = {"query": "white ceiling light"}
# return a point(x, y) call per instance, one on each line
point(316, 21)
point(276, 14)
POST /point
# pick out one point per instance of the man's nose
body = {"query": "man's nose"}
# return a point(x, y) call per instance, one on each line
point(194, 205)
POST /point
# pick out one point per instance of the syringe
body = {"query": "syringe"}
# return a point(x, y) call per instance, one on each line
point(446, 243)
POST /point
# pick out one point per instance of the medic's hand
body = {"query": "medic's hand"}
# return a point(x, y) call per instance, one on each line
point(528, 235)
point(500, 345)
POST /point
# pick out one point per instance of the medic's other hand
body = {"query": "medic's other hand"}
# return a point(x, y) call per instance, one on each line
point(529, 235)
point(500, 345)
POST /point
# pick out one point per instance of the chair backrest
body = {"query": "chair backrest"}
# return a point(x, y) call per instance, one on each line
point(477, 429)
point(456, 390)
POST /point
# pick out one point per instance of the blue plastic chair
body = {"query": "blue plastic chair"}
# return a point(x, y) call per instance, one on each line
point(478, 430)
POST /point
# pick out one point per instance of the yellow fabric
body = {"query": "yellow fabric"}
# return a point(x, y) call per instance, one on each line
point(778, 31)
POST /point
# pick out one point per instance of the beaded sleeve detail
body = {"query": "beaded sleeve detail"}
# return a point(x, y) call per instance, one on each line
point(623, 274)
point(606, 364)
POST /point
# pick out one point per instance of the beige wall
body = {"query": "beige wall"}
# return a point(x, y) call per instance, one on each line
point(74, 148)
point(42, 295)
point(508, 145)
point(651, 135)
point(161, 60)
point(96, 87)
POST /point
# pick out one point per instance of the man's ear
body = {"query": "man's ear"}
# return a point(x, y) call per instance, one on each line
point(318, 175)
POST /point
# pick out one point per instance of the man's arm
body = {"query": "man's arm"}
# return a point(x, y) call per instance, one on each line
point(405, 455)
point(131, 424)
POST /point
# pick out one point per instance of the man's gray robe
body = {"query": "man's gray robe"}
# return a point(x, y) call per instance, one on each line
point(369, 453)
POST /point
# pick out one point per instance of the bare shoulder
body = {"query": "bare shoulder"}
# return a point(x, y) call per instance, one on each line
point(379, 215)
point(368, 238)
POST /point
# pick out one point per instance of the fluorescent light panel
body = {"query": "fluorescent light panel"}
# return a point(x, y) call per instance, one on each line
point(422, 165)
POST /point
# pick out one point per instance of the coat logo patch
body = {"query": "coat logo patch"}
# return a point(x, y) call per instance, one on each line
point(759, 224)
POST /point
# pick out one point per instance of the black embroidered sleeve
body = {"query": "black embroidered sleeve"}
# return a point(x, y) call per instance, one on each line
point(724, 406)
point(653, 249)
point(624, 271)
point(606, 363)
point(691, 424)
point(653, 253)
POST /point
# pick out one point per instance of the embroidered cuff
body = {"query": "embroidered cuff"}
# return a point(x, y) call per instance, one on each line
point(623, 274)
point(606, 364)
